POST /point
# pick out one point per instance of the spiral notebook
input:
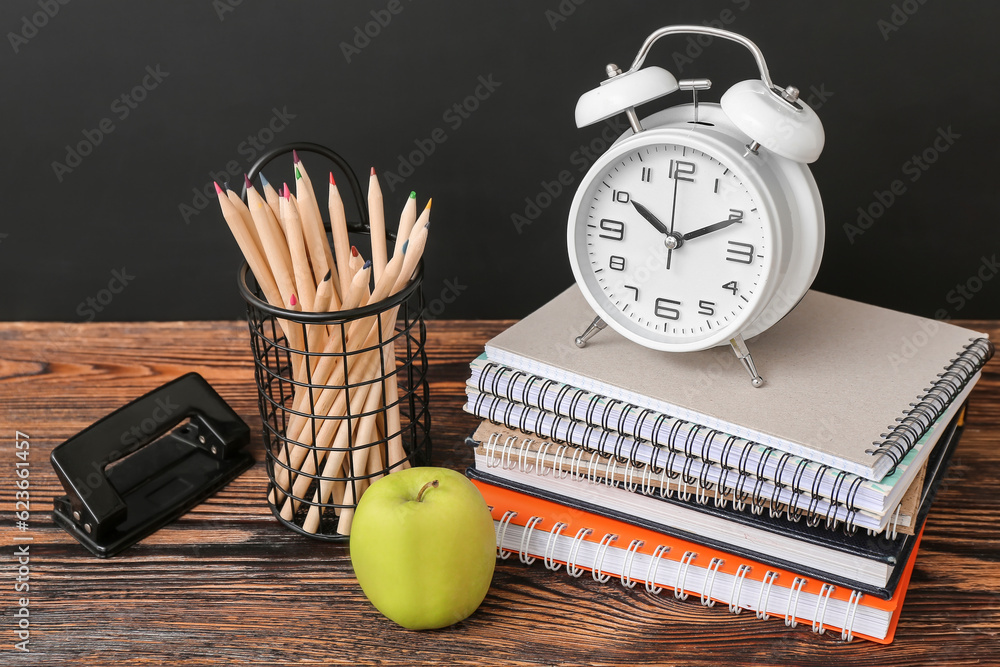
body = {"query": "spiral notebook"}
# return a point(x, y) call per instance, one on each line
point(603, 425)
point(849, 385)
point(562, 537)
point(603, 485)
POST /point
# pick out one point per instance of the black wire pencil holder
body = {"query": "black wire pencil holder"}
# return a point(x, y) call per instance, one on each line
point(323, 447)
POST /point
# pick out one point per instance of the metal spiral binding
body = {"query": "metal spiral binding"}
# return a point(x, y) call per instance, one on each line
point(820, 612)
point(639, 477)
point(550, 563)
point(737, 590)
point(602, 549)
point(626, 575)
point(501, 532)
point(574, 551)
point(525, 538)
point(681, 577)
point(847, 630)
point(765, 594)
point(706, 593)
point(793, 601)
point(653, 567)
point(903, 436)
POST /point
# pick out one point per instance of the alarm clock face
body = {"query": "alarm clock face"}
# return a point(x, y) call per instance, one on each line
point(673, 241)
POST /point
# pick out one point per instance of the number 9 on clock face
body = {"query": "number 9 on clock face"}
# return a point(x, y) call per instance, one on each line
point(673, 242)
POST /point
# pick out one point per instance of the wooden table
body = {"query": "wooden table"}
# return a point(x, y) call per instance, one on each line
point(227, 584)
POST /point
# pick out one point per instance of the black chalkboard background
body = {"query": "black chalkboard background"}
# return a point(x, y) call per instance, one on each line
point(105, 217)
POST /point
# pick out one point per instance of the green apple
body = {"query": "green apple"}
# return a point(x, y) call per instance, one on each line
point(423, 547)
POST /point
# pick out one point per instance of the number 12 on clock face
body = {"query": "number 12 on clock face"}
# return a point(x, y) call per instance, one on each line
point(674, 241)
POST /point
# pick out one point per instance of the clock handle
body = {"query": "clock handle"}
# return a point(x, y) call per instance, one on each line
point(597, 325)
point(743, 354)
point(758, 55)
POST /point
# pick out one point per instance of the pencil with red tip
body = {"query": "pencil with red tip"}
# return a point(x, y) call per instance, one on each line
point(341, 240)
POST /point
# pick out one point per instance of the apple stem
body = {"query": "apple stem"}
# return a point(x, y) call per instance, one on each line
point(429, 485)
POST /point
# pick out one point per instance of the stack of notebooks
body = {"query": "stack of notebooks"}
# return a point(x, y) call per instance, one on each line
point(803, 500)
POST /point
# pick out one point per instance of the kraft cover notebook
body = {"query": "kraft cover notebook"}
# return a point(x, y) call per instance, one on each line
point(849, 385)
point(858, 560)
point(576, 542)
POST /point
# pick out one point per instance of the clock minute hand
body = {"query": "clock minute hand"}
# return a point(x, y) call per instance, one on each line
point(650, 218)
point(711, 228)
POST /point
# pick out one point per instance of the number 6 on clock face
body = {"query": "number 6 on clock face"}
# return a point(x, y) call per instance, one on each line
point(679, 242)
point(703, 225)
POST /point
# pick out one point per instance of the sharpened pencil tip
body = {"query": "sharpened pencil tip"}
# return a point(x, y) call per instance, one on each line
point(373, 171)
point(263, 181)
point(287, 193)
point(332, 182)
point(247, 183)
point(328, 275)
point(218, 189)
point(295, 156)
point(354, 251)
point(367, 265)
point(298, 174)
point(292, 300)
point(429, 203)
point(413, 194)
point(405, 244)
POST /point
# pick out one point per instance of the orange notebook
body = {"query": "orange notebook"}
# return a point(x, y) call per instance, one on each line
point(564, 537)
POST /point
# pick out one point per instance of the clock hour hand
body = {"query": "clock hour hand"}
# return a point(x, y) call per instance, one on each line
point(711, 228)
point(650, 218)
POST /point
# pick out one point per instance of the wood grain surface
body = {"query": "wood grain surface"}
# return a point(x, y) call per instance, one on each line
point(227, 584)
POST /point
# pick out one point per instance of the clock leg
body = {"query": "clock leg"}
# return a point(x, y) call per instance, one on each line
point(743, 354)
point(592, 329)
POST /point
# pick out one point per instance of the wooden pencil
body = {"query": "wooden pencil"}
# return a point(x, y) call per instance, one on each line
point(273, 199)
point(406, 220)
point(312, 222)
point(341, 239)
point(376, 221)
point(304, 281)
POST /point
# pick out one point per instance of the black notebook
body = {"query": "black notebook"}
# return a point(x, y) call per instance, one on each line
point(870, 563)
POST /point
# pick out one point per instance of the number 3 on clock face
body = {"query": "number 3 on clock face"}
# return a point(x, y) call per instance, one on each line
point(672, 244)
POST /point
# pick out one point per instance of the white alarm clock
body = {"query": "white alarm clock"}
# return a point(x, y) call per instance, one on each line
point(702, 225)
